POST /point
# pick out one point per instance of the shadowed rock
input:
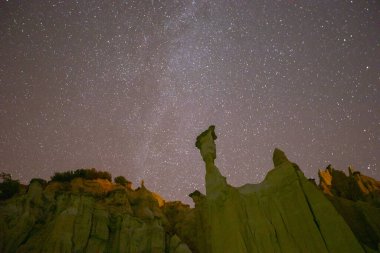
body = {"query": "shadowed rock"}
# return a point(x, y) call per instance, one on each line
point(279, 157)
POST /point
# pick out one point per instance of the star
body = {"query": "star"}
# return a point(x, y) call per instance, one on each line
point(127, 86)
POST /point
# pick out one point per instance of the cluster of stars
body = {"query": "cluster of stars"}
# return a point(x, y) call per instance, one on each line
point(126, 86)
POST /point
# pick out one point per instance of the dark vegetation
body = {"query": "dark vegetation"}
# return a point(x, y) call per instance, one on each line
point(42, 182)
point(8, 186)
point(122, 181)
point(90, 174)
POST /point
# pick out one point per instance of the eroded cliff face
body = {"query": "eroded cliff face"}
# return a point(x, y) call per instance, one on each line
point(357, 199)
point(85, 216)
point(285, 213)
point(355, 186)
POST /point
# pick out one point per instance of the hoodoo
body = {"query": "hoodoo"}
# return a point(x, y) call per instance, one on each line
point(284, 213)
point(83, 211)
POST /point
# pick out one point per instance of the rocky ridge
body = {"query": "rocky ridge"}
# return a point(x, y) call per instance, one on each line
point(86, 216)
point(356, 197)
point(285, 213)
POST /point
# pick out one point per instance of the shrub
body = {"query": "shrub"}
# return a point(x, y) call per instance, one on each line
point(39, 180)
point(82, 173)
point(63, 176)
point(8, 187)
point(122, 181)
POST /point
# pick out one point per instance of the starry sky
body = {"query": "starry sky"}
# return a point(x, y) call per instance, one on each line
point(126, 86)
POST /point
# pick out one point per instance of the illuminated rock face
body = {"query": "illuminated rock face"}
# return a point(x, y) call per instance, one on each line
point(284, 213)
point(354, 187)
point(85, 216)
point(357, 198)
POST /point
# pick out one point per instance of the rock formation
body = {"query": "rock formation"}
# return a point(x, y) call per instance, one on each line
point(285, 213)
point(85, 216)
point(357, 198)
point(354, 187)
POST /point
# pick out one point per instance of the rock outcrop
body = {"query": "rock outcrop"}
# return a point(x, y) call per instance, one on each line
point(86, 216)
point(357, 198)
point(284, 213)
point(354, 187)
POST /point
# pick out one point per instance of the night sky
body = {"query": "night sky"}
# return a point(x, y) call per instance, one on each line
point(126, 86)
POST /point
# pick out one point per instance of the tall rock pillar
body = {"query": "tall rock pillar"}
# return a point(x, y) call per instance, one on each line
point(215, 182)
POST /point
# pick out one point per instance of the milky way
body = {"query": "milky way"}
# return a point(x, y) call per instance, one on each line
point(126, 86)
